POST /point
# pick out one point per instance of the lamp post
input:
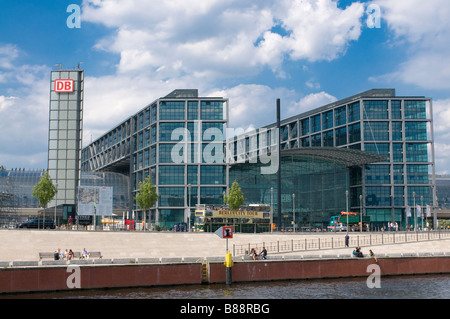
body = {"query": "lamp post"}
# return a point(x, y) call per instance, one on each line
point(360, 212)
point(421, 211)
point(415, 211)
point(271, 209)
point(189, 209)
point(346, 206)
point(56, 185)
point(293, 209)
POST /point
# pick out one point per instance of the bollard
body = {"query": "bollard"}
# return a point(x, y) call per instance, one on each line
point(228, 264)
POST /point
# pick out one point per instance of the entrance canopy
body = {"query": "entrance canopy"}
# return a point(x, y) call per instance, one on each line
point(345, 156)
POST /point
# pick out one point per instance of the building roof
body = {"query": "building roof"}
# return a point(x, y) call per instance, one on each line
point(346, 156)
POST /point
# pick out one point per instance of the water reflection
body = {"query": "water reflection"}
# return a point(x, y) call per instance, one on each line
point(410, 287)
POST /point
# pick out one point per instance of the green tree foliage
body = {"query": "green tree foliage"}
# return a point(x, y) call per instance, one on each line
point(45, 190)
point(236, 197)
point(147, 196)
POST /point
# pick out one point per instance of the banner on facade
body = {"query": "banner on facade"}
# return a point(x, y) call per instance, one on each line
point(95, 200)
point(408, 211)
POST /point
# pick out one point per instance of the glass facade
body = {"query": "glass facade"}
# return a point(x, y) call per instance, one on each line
point(319, 186)
point(178, 141)
point(377, 122)
point(189, 166)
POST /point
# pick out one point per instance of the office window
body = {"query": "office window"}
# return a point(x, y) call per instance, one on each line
point(353, 112)
point(340, 115)
point(316, 140)
point(399, 193)
point(192, 177)
point(378, 196)
point(396, 109)
point(171, 110)
point(214, 131)
point(417, 174)
point(192, 110)
point(354, 133)
point(328, 139)
point(171, 175)
point(211, 195)
point(375, 109)
point(415, 109)
point(398, 174)
point(165, 153)
point(378, 148)
point(377, 174)
point(397, 131)
point(341, 136)
point(397, 152)
point(416, 131)
point(315, 123)
point(212, 175)
point(293, 129)
point(376, 131)
point(211, 110)
point(166, 130)
point(327, 120)
point(416, 152)
point(305, 126)
point(171, 196)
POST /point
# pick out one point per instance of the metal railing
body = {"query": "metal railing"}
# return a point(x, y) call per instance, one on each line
point(333, 242)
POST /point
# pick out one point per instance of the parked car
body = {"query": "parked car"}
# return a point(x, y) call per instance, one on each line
point(37, 223)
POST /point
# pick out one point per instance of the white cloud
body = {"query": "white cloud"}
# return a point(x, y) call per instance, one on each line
point(311, 101)
point(211, 39)
point(425, 27)
point(441, 120)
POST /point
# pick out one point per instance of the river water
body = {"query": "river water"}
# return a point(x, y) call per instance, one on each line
point(401, 287)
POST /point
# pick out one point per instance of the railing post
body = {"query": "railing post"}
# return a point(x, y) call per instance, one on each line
point(306, 245)
point(278, 246)
point(292, 245)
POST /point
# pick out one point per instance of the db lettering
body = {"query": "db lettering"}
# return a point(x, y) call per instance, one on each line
point(63, 86)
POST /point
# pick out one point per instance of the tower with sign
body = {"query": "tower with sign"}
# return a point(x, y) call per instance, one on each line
point(65, 136)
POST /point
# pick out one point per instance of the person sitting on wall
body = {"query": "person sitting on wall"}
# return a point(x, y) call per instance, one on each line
point(70, 256)
point(253, 254)
point(84, 254)
point(263, 253)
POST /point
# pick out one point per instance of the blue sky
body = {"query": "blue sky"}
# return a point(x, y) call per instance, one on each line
point(307, 53)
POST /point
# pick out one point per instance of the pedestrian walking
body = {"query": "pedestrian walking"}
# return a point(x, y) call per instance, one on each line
point(347, 238)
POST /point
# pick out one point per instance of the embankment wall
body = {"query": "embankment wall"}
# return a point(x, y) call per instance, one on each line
point(60, 278)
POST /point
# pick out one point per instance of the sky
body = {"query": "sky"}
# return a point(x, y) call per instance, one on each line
point(307, 53)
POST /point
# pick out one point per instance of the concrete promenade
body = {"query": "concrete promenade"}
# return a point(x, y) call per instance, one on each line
point(24, 245)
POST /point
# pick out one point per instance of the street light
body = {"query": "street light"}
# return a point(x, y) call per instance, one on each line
point(421, 211)
point(360, 212)
point(346, 207)
point(189, 209)
point(415, 211)
point(271, 209)
point(293, 209)
point(56, 186)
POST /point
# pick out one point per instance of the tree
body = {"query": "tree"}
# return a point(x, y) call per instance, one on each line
point(236, 197)
point(147, 196)
point(45, 190)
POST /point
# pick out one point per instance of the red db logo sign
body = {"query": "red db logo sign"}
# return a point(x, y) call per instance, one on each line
point(63, 86)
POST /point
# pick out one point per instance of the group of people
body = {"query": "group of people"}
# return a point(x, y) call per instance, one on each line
point(262, 255)
point(358, 253)
point(68, 254)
